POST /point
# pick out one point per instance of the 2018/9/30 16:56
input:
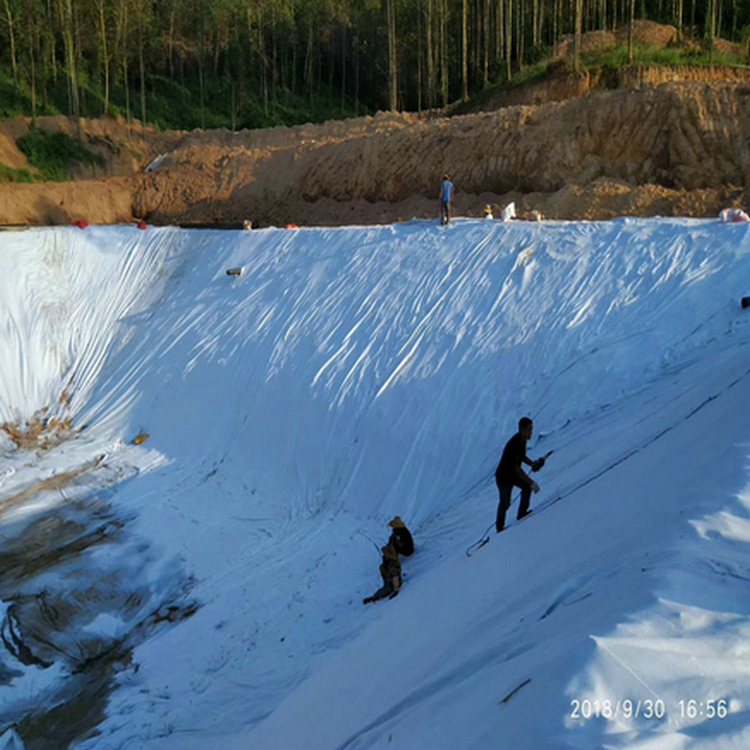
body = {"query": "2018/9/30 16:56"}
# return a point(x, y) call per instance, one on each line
point(629, 708)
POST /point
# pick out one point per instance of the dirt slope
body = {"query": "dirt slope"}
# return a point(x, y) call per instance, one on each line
point(677, 147)
point(648, 150)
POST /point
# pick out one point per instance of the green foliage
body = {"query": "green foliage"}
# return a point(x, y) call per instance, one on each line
point(674, 56)
point(8, 174)
point(540, 53)
point(255, 63)
point(12, 103)
point(16, 102)
point(171, 105)
point(52, 154)
point(176, 105)
point(289, 108)
point(535, 72)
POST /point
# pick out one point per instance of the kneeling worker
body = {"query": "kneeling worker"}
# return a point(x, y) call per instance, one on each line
point(390, 570)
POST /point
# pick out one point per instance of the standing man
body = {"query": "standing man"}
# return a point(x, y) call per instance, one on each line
point(446, 195)
point(509, 473)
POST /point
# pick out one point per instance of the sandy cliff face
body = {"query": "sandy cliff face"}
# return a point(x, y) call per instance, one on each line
point(686, 136)
point(677, 137)
point(669, 148)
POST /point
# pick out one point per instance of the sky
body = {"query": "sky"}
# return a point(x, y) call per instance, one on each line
point(203, 588)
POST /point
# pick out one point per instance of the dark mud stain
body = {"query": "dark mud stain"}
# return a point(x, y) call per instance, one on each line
point(49, 542)
point(79, 709)
point(55, 586)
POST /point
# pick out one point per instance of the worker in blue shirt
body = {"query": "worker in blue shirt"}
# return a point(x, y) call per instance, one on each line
point(446, 195)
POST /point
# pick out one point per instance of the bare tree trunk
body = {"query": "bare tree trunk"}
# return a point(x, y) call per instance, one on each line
point(475, 26)
point(431, 87)
point(202, 74)
point(444, 51)
point(464, 53)
point(390, 9)
point(264, 64)
point(719, 20)
point(540, 34)
point(142, 71)
point(66, 13)
point(541, 23)
point(309, 55)
point(486, 43)
point(577, 43)
point(32, 30)
point(170, 44)
point(105, 54)
point(217, 52)
point(51, 46)
point(735, 11)
point(509, 38)
point(555, 26)
point(356, 73)
point(127, 87)
point(520, 47)
point(294, 57)
point(343, 67)
point(275, 56)
point(12, 39)
point(122, 37)
point(630, 32)
point(499, 31)
point(419, 57)
point(692, 19)
point(79, 65)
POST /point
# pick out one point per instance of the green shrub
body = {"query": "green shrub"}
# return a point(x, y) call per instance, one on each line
point(53, 154)
point(8, 174)
point(671, 55)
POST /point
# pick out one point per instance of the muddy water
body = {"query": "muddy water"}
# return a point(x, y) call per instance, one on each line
point(77, 606)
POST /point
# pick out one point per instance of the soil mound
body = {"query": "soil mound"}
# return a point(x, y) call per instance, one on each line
point(601, 151)
point(645, 33)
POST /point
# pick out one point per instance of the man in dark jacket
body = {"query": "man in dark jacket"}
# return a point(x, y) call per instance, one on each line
point(510, 474)
point(401, 537)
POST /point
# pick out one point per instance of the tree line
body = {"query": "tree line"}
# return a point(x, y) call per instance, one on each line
point(245, 58)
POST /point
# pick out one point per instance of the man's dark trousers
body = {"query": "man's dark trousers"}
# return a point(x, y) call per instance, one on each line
point(445, 212)
point(504, 504)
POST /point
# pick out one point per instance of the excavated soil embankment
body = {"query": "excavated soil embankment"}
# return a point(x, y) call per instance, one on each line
point(669, 148)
